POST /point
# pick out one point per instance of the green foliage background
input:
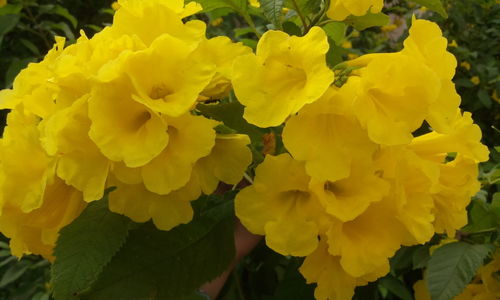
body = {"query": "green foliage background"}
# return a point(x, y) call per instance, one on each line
point(27, 30)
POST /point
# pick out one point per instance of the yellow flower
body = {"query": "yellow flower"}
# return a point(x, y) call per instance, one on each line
point(427, 44)
point(341, 9)
point(466, 65)
point(332, 281)
point(457, 184)
point(26, 167)
point(453, 44)
point(412, 180)
point(115, 5)
point(141, 205)
point(389, 28)
point(494, 96)
point(326, 137)
point(221, 52)
point(464, 138)
point(487, 273)
point(217, 22)
point(287, 73)
point(475, 80)
point(79, 161)
point(395, 91)
point(254, 3)
point(37, 231)
point(3, 3)
point(123, 129)
point(281, 207)
point(346, 44)
point(366, 243)
point(227, 162)
point(151, 19)
point(352, 56)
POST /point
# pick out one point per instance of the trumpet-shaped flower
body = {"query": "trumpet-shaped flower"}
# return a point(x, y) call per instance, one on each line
point(464, 138)
point(222, 52)
point(123, 129)
point(396, 93)
point(37, 231)
point(26, 167)
point(227, 162)
point(150, 19)
point(366, 243)
point(79, 161)
point(341, 9)
point(285, 74)
point(281, 207)
point(334, 137)
point(141, 205)
point(333, 283)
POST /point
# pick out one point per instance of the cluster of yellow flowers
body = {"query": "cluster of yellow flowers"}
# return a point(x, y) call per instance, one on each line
point(363, 175)
point(484, 287)
point(117, 111)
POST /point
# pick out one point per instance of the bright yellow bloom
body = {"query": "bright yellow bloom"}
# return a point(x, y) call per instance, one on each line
point(465, 139)
point(457, 184)
point(412, 180)
point(389, 28)
point(346, 44)
point(217, 22)
point(227, 162)
point(332, 281)
point(453, 44)
point(167, 77)
point(334, 137)
point(151, 19)
point(475, 80)
point(115, 5)
point(26, 167)
point(281, 207)
point(141, 205)
point(487, 273)
point(427, 44)
point(37, 231)
point(123, 129)
point(352, 56)
point(466, 65)
point(287, 73)
point(366, 243)
point(254, 3)
point(221, 52)
point(396, 92)
point(79, 161)
point(341, 9)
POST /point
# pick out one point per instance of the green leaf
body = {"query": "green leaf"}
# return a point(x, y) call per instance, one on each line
point(485, 99)
point(60, 11)
point(13, 273)
point(452, 266)
point(481, 217)
point(434, 5)
point(273, 10)
point(10, 9)
point(7, 23)
point(291, 28)
point(85, 246)
point(421, 257)
point(367, 21)
point(396, 287)
point(231, 114)
point(239, 6)
point(156, 264)
point(335, 31)
point(306, 7)
point(30, 46)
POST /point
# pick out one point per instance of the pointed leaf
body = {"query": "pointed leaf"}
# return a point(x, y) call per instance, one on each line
point(452, 266)
point(170, 264)
point(85, 246)
point(435, 5)
point(273, 10)
point(367, 21)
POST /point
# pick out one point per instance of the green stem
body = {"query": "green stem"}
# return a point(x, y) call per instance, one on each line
point(241, 296)
point(250, 22)
point(301, 16)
